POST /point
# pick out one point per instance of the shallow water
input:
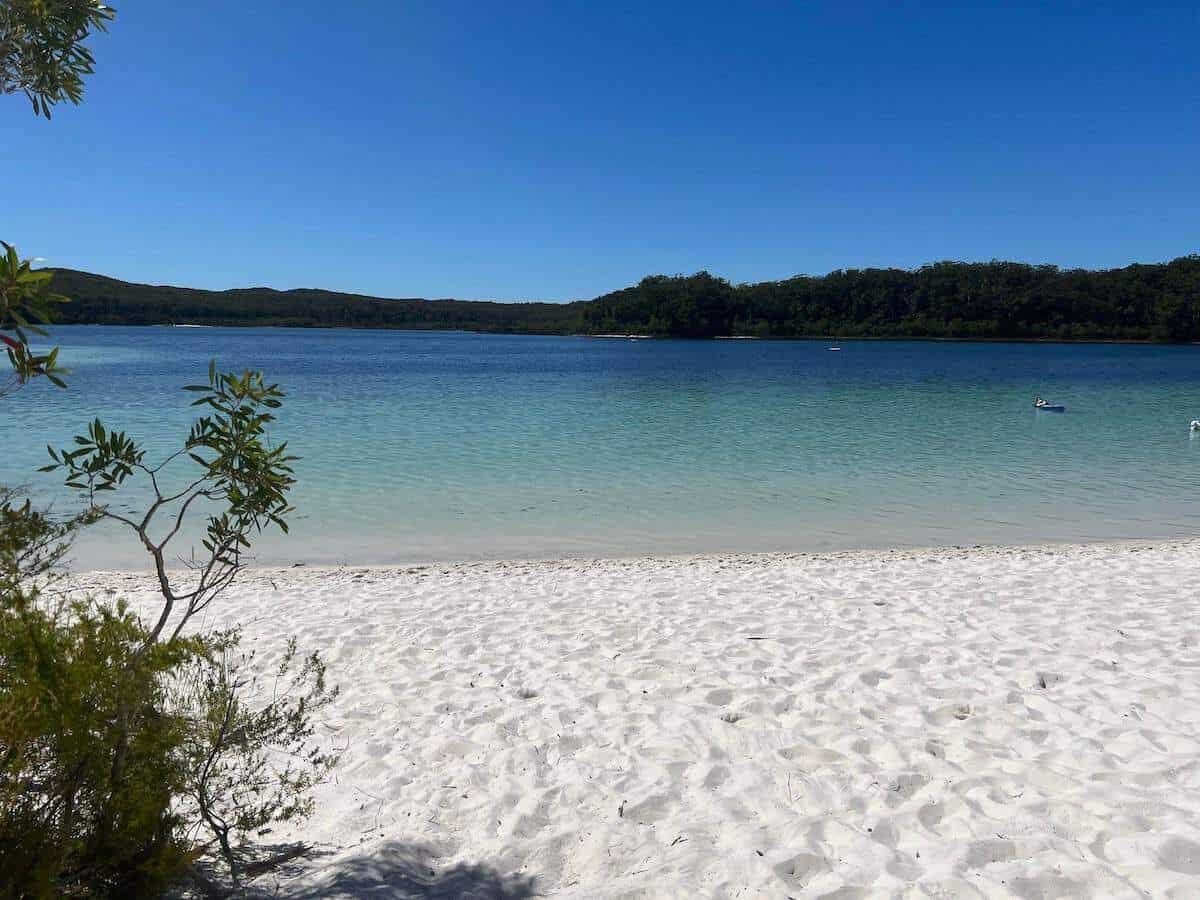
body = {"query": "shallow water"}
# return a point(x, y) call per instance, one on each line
point(439, 446)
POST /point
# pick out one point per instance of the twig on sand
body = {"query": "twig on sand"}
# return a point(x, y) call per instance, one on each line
point(254, 869)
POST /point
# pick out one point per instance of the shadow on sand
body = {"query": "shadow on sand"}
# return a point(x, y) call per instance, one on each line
point(390, 869)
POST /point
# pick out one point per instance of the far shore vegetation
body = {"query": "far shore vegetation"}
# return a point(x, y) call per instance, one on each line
point(993, 300)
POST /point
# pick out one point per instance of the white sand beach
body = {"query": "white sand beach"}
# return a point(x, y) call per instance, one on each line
point(1018, 722)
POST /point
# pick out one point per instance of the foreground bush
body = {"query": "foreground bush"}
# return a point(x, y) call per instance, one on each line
point(91, 762)
point(130, 750)
point(121, 769)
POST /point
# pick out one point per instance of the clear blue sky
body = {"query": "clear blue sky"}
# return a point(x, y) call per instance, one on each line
point(559, 150)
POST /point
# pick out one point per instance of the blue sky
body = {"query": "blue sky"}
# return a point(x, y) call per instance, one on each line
point(560, 150)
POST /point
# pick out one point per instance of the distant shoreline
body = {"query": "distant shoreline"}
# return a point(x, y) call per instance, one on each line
point(652, 337)
point(993, 301)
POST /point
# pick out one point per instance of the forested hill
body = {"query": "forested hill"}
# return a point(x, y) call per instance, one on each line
point(107, 301)
point(948, 299)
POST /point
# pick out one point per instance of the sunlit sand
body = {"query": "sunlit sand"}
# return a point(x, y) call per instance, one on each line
point(946, 723)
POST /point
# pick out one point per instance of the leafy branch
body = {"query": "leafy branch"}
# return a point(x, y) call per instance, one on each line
point(26, 305)
point(233, 468)
point(254, 762)
point(42, 53)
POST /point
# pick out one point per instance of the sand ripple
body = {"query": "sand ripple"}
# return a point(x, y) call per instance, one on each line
point(985, 723)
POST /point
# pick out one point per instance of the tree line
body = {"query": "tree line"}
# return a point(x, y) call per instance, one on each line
point(943, 300)
point(996, 300)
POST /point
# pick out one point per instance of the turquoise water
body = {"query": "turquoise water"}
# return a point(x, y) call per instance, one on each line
point(447, 446)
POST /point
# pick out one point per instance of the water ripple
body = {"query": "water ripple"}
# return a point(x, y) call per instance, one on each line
point(441, 446)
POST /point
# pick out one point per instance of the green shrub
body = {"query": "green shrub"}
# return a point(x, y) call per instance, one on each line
point(120, 767)
point(251, 759)
point(129, 750)
point(91, 759)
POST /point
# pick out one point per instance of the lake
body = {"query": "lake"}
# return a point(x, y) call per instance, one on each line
point(421, 446)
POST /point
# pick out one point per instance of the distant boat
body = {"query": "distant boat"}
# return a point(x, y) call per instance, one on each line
point(1195, 426)
point(1047, 406)
point(833, 349)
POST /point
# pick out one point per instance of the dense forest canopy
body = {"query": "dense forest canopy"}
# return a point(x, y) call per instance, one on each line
point(1158, 302)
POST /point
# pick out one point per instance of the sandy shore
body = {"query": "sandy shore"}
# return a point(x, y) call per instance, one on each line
point(946, 723)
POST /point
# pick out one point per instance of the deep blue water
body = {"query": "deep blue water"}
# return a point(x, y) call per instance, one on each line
point(437, 446)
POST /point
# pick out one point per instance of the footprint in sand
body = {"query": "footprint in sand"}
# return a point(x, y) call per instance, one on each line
point(1180, 855)
point(1047, 680)
point(801, 869)
point(931, 816)
point(719, 697)
point(716, 777)
point(872, 677)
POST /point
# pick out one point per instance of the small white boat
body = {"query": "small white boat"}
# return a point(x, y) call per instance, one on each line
point(1047, 406)
point(1195, 426)
point(833, 349)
